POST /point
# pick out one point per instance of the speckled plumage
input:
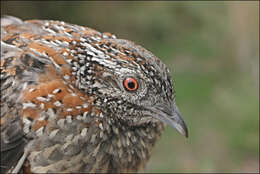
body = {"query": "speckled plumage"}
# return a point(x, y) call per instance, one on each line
point(63, 104)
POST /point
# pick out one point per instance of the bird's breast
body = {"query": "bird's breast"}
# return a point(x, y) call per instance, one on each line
point(94, 150)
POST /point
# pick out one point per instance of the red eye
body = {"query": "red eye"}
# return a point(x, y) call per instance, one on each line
point(130, 84)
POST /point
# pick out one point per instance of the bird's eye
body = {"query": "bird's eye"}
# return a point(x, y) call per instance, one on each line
point(130, 84)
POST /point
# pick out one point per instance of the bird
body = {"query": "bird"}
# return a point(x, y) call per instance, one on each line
point(74, 99)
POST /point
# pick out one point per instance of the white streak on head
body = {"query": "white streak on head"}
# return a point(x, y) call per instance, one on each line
point(49, 30)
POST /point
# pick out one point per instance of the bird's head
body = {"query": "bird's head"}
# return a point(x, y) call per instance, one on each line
point(131, 83)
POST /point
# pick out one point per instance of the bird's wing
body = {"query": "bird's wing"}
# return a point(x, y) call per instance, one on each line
point(27, 47)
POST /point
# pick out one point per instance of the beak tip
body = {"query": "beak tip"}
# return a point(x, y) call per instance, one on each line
point(183, 127)
point(185, 131)
point(187, 134)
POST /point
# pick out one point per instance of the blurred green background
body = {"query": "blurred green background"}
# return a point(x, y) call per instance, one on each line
point(212, 50)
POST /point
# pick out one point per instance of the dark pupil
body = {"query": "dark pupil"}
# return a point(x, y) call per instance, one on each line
point(131, 85)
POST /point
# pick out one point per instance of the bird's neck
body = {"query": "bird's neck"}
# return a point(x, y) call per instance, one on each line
point(131, 147)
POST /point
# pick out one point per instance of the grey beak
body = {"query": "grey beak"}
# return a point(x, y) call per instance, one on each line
point(170, 115)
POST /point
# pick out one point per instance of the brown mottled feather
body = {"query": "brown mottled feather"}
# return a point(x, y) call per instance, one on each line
point(62, 99)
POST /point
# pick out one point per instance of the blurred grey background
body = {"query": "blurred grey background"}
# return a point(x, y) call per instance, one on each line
point(212, 50)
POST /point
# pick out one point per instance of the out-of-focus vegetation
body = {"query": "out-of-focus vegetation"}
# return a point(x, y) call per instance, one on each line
point(212, 50)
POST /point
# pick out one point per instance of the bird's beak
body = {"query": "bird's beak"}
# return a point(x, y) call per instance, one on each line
point(170, 115)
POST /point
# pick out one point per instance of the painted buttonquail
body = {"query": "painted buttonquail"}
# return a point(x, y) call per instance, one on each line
point(77, 100)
